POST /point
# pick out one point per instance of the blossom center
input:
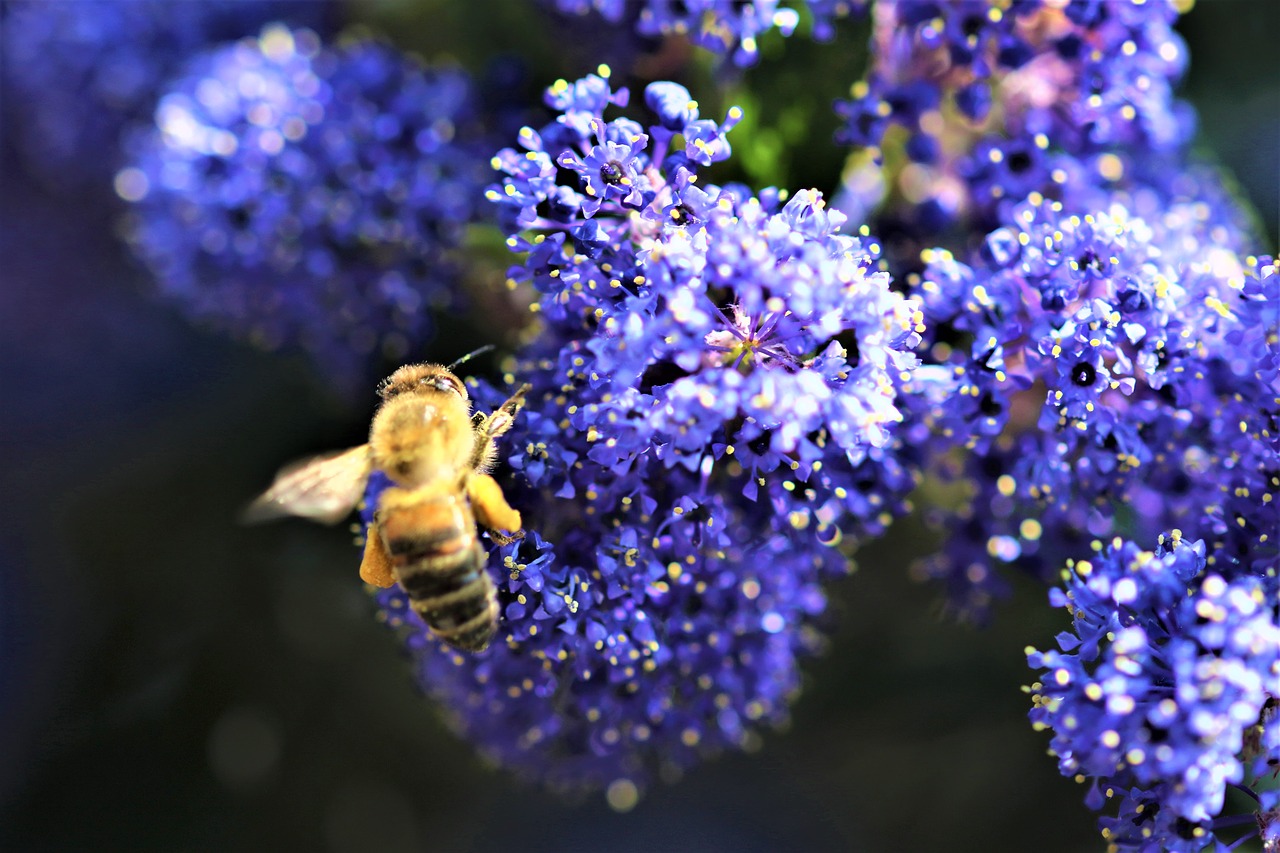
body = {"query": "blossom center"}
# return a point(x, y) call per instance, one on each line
point(611, 173)
point(749, 340)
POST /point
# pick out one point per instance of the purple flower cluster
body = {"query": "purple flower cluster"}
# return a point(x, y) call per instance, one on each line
point(723, 383)
point(635, 646)
point(712, 405)
point(1164, 693)
point(724, 27)
point(1109, 373)
point(1106, 362)
point(699, 327)
point(973, 105)
point(77, 73)
point(296, 194)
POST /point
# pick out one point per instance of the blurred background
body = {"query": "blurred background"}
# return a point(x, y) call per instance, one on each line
point(170, 680)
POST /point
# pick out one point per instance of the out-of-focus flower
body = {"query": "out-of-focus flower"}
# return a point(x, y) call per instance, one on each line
point(291, 193)
point(724, 27)
point(76, 74)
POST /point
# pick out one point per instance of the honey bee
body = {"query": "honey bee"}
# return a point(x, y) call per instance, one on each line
point(437, 454)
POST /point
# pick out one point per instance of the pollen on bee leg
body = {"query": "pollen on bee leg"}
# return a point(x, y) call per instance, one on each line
point(375, 567)
point(491, 507)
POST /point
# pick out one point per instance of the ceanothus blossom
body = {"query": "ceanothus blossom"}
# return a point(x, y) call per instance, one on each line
point(296, 194)
point(1108, 370)
point(76, 75)
point(727, 28)
point(712, 406)
point(1168, 672)
point(994, 101)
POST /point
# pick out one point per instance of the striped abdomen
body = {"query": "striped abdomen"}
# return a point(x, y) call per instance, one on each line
point(440, 564)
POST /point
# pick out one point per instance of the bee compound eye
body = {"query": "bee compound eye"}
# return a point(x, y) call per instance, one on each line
point(445, 383)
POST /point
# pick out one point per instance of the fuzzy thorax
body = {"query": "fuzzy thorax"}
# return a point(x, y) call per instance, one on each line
point(422, 437)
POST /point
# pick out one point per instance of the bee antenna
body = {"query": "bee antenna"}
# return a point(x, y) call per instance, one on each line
point(475, 352)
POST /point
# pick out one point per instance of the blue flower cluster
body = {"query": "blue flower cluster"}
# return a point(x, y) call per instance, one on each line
point(636, 646)
point(76, 74)
point(724, 383)
point(712, 407)
point(973, 105)
point(1103, 363)
point(296, 194)
point(699, 327)
point(724, 27)
point(1165, 692)
point(1107, 372)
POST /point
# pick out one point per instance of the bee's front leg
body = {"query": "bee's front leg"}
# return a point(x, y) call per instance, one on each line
point(489, 427)
point(505, 415)
point(504, 538)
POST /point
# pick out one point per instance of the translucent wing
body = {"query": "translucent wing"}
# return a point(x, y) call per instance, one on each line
point(324, 488)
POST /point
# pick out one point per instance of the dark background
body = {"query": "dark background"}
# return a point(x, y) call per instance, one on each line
point(172, 681)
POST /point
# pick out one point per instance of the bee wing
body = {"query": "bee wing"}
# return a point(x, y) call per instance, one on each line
point(324, 488)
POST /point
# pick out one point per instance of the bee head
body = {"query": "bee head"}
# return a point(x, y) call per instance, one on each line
point(415, 378)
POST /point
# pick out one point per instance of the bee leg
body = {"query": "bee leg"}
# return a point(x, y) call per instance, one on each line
point(506, 539)
point(504, 416)
point(491, 507)
point(489, 427)
point(375, 567)
point(484, 453)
